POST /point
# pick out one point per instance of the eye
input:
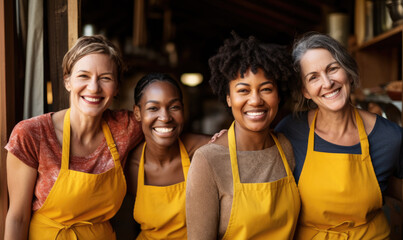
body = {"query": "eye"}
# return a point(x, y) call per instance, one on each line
point(82, 76)
point(152, 108)
point(176, 107)
point(242, 90)
point(105, 78)
point(267, 89)
point(333, 69)
point(312, 77)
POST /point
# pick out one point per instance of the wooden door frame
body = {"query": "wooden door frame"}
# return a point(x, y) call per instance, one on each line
point(7, 103)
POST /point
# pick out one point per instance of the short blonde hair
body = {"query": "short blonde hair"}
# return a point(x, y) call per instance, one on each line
point(89, 45)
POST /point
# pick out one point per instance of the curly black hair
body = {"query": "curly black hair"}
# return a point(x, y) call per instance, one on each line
point(237, 55)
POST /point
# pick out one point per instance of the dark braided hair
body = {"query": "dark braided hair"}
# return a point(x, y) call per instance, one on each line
point(151, 78)
point(237, 55)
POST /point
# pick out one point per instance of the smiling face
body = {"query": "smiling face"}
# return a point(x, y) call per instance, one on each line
point(160, 111)
point(92, 84)
point(253, 100)
point(325, 81)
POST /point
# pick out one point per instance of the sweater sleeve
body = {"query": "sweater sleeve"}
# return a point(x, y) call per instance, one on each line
point(202, 200)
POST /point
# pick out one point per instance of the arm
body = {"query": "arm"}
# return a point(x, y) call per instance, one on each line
point(202, 200)
point(21, 181)
point(193, 141)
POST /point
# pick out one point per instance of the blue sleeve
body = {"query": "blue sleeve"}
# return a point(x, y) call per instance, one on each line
point(296, 130)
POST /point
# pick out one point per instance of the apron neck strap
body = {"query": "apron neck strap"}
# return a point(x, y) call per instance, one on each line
point(184, 159)
point(283, 158)
point(66, 141)
point(361, 132)
point(110, 142)
point(232, 154)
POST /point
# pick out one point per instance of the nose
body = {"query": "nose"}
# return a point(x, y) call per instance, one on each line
point(164, 115)
point(327, 81)
point(93, 84)
point(255, 99)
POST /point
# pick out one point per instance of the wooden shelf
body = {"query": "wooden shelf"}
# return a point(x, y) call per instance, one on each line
point(390, 36)
point(380, 59)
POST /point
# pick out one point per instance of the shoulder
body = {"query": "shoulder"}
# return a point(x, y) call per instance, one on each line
point(33, 125)
point(369, 120)
point(193, 141)
point(386, 130)
point(295, 128)
point(287, 148)
point(210, 153)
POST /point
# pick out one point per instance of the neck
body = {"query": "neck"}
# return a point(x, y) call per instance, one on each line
point(336, 123)
point(84, 128)
point(252, 141)
point(161, 154)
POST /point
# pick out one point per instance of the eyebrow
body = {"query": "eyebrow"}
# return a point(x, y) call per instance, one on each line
point(170, 102)
point(326, 68)
point(263, 83)
point(85, 71)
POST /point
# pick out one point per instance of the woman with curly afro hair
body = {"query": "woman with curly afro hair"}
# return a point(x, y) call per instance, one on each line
point(241, 186)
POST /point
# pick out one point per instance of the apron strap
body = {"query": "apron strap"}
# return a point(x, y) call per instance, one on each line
point(185, 159)
point(232, 153)
point(283, 158)
point(110, 142)
point(363, 135)
point(140, 175)
point(63, 230)
point(66, 141)
point(361, 132)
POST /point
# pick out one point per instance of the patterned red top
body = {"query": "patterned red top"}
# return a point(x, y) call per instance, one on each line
point(34, 142)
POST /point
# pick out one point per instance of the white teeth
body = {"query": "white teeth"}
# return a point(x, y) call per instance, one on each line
point(90, 99)
point(332, 94)
point(163, 130)
point(254, 113)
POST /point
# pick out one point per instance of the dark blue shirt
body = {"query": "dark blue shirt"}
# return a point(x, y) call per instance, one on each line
point(385, 146)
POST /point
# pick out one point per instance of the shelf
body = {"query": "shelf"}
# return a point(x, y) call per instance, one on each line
point(393, 36)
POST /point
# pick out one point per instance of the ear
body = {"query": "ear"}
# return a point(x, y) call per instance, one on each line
point(137, 113)
point(229, 101)
point(305, 93)
point(67, 84)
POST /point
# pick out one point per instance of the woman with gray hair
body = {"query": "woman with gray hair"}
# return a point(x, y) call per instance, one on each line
point(344, 156)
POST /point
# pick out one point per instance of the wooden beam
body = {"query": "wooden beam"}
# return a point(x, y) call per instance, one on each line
point(56, 45)
point(73, 14)
point(7, 76)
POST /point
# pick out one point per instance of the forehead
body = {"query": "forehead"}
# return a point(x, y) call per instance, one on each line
point(95, 60)
point(250, 77)
point(316, 58)
point(160, 90)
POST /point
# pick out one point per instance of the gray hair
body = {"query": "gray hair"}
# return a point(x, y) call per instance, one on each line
point(313, 40)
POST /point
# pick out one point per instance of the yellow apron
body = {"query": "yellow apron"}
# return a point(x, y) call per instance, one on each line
point(160, 210)
point(262, 210)
point(340, 194)
point(80, 204)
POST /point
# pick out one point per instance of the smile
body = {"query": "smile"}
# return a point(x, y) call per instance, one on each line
point(254, 113)
point(163, 130)
point(92, 99)
point(329, 95)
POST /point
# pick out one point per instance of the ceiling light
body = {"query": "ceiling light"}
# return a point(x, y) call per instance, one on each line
point(191, 79)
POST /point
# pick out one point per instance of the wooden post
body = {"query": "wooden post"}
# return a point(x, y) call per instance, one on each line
point(73, 15)
point(7, 116)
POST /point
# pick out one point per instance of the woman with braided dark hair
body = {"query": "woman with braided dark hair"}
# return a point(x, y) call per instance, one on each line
point(241, 186)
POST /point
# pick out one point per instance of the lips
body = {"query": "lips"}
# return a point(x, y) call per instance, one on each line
point(92, 100)
point(331, 94)
point(163, 129)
